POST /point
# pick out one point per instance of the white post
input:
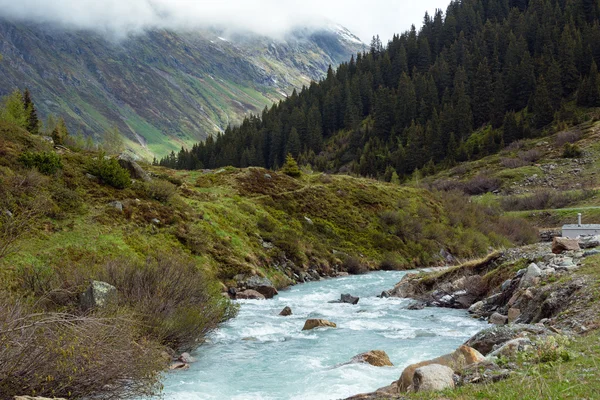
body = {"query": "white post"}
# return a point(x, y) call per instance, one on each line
point(579, 219)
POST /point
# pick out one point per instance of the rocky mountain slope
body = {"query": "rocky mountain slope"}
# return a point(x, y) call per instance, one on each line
point(163, 89)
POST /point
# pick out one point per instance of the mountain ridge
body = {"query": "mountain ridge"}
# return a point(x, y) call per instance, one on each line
point(162, 89)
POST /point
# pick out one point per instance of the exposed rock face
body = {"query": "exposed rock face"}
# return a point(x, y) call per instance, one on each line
point(459, 359)
point(486, 340)
point(498, 319)
point(377, 358)
point(348, 298)
point(262, 285)
point(98, 294)
point(433, 377)
point(286, 311)
point(318, 323)
point(136, 172)
point(249, 294)
point(560, 244)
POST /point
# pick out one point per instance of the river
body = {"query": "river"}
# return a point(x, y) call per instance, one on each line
point(261, 356)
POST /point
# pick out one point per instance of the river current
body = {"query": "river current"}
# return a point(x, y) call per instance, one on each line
point(260, 355)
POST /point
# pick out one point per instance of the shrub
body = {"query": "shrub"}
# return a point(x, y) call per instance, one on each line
point(156, 189)
point(176, 301)
point(45, 162)
point(110, 172)
point(513, 163)
point(353, 266)
point(74, 356)
point(482, 184)
point(530, 156)
point(543, 199)
point(567, 137)
point(571, 151)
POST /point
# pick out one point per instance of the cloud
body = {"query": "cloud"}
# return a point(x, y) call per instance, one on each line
point(267, 17)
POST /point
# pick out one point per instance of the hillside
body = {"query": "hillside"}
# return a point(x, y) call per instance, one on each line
point(467, 83)
point(162, 89)
point(173, 242)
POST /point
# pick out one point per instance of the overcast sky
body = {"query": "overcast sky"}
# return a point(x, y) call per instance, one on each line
point(271, 17)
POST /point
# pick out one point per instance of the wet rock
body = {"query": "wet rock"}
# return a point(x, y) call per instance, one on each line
point(348, 298)
point(434, 377)
point(97, 295)
point(417, 305)
point(498, 319)
point(261, 285)
point(377, 358)
point(561, 244)
point(179, 366)
point(456, 360)
point(318, 323)
point(286, 311)
point(187, 358)
point(476, 307)
point(249, 294)
point(386, 293)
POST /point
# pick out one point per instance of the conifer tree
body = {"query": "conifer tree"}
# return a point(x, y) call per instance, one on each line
point(290, 167)
point(33, 123)
point(542, 106)
point(60, 132)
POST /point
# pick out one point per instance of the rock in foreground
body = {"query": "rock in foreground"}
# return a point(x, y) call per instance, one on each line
point(433, 377)
point(318, 323)
point(249, 294)
point(560, 244)
point(98, 294)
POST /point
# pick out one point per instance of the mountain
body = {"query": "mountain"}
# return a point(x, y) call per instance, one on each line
point(163, 89)
point(467, 83)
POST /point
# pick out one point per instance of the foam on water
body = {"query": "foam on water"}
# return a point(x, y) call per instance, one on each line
point(262, 356)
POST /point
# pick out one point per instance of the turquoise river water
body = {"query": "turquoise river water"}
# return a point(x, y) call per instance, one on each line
point(261, 356)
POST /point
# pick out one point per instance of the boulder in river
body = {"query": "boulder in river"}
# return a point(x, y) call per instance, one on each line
point(187, 358)
point(318, 323)
point(179, 366)
point(348, 298)
point(433, 377)
point(249, 294)
point(416, 305)
point(377, 358)
point(456, 360)
point(286, 311)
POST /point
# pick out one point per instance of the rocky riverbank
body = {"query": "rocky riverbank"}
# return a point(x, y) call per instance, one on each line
point(536, 298)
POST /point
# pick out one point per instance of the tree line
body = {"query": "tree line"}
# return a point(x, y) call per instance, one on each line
point(471, 80)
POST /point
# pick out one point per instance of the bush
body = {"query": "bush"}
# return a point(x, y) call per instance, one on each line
point(482, 184)
point(74, 356)
point(513, 163)
point(543, 199)
point(563, 138)
point(353, 266)
point(45, 162)
point(571, 151)
point(156, 189)
point(176, 301)
point(110, 172)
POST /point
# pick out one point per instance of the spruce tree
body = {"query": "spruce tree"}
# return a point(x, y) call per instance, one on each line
point(542, 106)
point(482, 94)
point(33, 123)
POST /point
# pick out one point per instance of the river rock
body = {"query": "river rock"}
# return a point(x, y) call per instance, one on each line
point(180, 366)
point(187, 358)
point(531, 276)
point(262, 285)
point(377, 358)
point(318, 323)
point(249, 294)
point(498, 319)
point(456, 360)
point(348, 298)
point(486, 340)
point(286, 311)
point(588, 242)
point(97, 295)
point(476, 307)
point(416, 305)
point(560, 244)
point(434, 377)
point(127, 162)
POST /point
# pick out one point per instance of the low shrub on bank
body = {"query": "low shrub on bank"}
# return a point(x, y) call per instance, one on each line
point(110, 172)
point(74, 356)
point(45, 162)
point(544, 199)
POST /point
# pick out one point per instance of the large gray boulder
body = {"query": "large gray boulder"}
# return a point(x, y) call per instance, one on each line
point(97, 295)
point(262, 285)
point(433, 377)
point(531, 276)
point(348, 298)
point(128, 162)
